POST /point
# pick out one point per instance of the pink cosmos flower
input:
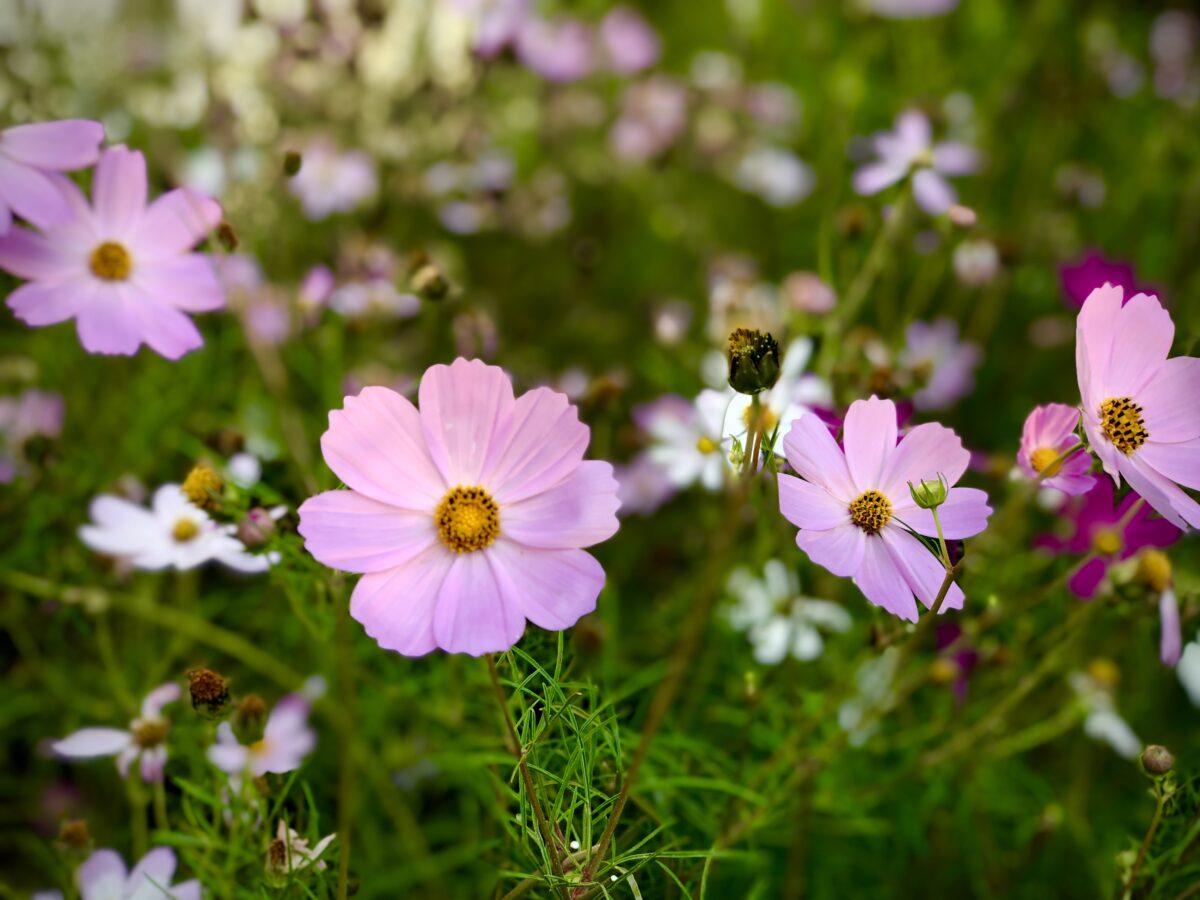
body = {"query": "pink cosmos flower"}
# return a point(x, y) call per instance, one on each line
point(28, 156)
point(287, 739)
point(630, 43)
point(467, 517)
point(103, 876)
point(1094, 521)
point(1139, 407)
point(855, 512)
point(144, 740)
point(561, 51)
point(643, 486)
point(943, 363)
point(910, 148)
point(121, 269)
point(1048, 433)
point(333, 181)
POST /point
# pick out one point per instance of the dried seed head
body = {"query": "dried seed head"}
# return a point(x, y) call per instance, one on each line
point(203, 486)
point(1157, 760)
point(210, 692)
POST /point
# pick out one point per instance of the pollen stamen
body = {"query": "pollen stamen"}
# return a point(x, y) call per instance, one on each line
point(111, 262)
point(1123, 424)
point(467, 519)
point(1043, 460)
point(185, 530)
point(871, 512)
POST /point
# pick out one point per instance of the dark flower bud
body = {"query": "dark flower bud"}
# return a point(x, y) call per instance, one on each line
point(227, 237)
point(256, 528)
point(75, 837)
point(753, 361)
point(249, 718)
point(291, 163)
point(1157, 760)
point(210, 692)
point(429, 282)
point(203, 486)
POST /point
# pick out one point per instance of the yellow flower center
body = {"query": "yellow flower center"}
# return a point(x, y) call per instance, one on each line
point(203, 485)
point(185, 530)
point(1045, 461)
point(766, 417)
point(149, 733)
point(111, 262)
point(871, 512)
point(706, 445)
point(467, 519)
point(1123, 424)
point(1107, 542)
point(1155, 569)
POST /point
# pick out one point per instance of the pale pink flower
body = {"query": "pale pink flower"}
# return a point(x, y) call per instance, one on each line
point(910, 148)
point(331, 180)
point(28, 156)
point(855, 511)
point(121, 269)
point(1139, 407)
point(287, 739)
point(144, 741)
point(1050, 431)
point(103, 876)
point(911, 9)
point(466, 517)
point(944, 364)
point(630, 43)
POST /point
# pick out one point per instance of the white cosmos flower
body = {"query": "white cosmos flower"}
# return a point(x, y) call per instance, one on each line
point(686, 438)
point(145, 740)
point(777, 619)
point(1188, 670)
point(289, 852)
point(1103, 722)
point(793, 395)
point(172, 533)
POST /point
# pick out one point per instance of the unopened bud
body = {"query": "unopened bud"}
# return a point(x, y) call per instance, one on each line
point(1157, 760)
point(929, 494)
point(753, 361)
point(430, 283)
point(210, 692)
point(203, 486)
point(256, 528)
point(291, 163)
point(227, 237)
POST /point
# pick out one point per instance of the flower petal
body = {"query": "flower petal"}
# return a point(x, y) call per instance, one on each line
point(579, 511)
point(840, 550)
point(882, 582)
point(1168, 500)
point(1095, 329)
point(955, 158)
point(1144, 332)
point(349, 531)
point(813, 453)
point(963, 515)
point(932, 192)
point(536, 445)
point(1084, 581)
point(1170, 644)
point(119, 190)
point(925, 452)
point(48, 303)
point(32, 195)
point(870, 439)
point(64, 146)
point(553, 589)
point(396, 607)
point(923, 572)
point(1169, 401)
point(188, 282)
point(166, 330)
point(375, 444)
point(472, 614)
point(109, 321)
point(174, 223)
point(153, 702)
point(462, 407)
point(102, 876)
point(807, 505)
point(1180, 462)
point(874, 177)
point(27, 254)
point(87, 743)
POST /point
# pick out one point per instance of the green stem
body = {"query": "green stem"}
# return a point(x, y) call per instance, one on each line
point(137, 811)
point(344, 720)
point(160, 806)
point(753, 436)
point(1161, 800)
point(1055, 465)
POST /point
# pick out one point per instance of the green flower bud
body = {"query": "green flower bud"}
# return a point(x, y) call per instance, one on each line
point(753, 361)
point(929, 494)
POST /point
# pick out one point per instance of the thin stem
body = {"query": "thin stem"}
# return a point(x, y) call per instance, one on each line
point(1161, 798)
point(137, 806)
point(942, 544)
point(514, 746)
point(753, 436)
point(1049, 471)
point(160, 806)
point(346, 799)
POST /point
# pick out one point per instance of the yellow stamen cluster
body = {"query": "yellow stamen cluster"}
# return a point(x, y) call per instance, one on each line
point(871, 512)
point(1107, 542)
point(203, 486)
point(185, 530)
point(1123, 424)
point(1154, 568)
point(149, 732)
point(767, 419)
point(467, 519)
point(111, 262)
point(706, 444)
point(1045, 461)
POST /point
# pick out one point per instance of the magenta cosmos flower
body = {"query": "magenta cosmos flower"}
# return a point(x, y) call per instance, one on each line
point(466, 517)
point(855, 512)
point(29, 154)
point(121, 269)
point(1095, 526)
point(1139, 407)
point(1048, 433)
point(1094, 270)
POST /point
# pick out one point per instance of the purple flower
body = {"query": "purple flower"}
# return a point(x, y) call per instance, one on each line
point(629, 42)
point(497, 23)
point(287, 739)
point(944, 364)
point(121, 269)
point(103, 876)
point(1094, 270)
point(1094, 519)
point(144, 740)
point(911, 9)
point(910, 148)
point(560, 51)
point(642, 486)
point(1048, 433)
point(653, 115)
point(856, 514)
point(331, 181)
point(28, 154)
